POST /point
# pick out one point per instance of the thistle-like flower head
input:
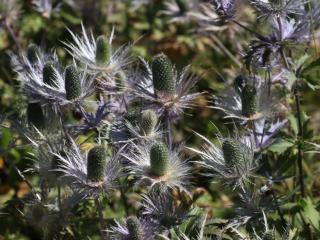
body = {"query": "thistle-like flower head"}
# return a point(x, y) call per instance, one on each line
point(249, 101)
point(162, 208)
point(97, 55)
point(163, 90)
point(153, 164)
point(43, 80)
point(90, 173)
point(133, 228)
point(135, 127)
point(231, 160)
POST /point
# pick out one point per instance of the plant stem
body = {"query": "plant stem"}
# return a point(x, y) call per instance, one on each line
point(101, 220)
point(300, 127)
point(300, 138)
point(169, 130)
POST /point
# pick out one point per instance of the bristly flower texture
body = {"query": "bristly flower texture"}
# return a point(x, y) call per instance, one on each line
point(248, 101)
point(98, 56)
point(92, 173)
point(43, 80)
point(154, 165)
point(163, 209)
point(232, 160)
point(165, 91)
point(133, 228)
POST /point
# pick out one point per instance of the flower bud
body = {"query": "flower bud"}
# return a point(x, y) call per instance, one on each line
point(148, 122)
point(162, 74)
point(134, 228)
point(35, 115)
point(249, 100)
point(49, 74)
point(232, 152)
point(72, 83)
point(102, 50)
point(97, 162)
point(159, 159)
point(32, 53)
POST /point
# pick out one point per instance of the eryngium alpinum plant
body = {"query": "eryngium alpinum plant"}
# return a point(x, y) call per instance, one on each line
point(102, 124)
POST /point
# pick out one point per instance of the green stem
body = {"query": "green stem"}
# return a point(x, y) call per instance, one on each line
point(300, 138)
point(101, 220)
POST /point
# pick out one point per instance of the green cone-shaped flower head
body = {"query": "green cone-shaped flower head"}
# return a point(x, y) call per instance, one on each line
point(183, 5)
point(32, 53)
point(162, 74)
point(232, 152)
point(35, 115)
point(49, 74)
point(249, 100)
point(148, 122)
point(72, 83)
point(103, 51)
point(134, 228)
point(97, 161)
point(159, 159)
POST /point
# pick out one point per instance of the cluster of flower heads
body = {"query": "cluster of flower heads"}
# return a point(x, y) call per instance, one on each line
point(125, 114)
point(125, 110)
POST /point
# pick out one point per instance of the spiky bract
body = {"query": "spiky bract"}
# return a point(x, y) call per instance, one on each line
point(175, 173)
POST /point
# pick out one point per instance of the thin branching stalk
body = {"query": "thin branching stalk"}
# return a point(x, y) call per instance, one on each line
point(101, 220)
point(300, 139)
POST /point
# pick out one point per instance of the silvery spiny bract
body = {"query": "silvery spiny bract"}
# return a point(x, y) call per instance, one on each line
point(156, 165)
point(42, 79)
point(232, 160)
point(91, 173)
point(248, 101)
point(133, 228)
point(163, 90)
point(162, 208)
point(98, 56)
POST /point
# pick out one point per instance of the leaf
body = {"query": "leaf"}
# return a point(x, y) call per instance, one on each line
point(5, 139)
point(293, 123)
point(280, 146)
point(311, 66)
point(310, 212)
